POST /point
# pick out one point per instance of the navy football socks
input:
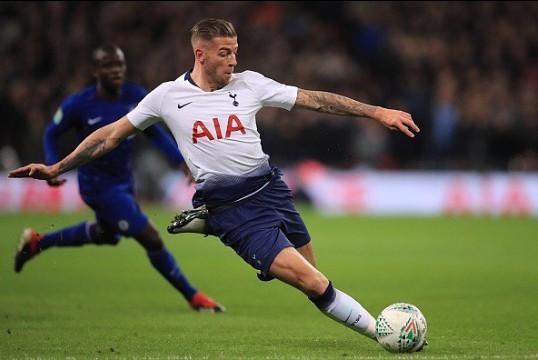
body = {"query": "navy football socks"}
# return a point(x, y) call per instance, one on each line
point(76, 235)
point(165, 263)
point(323, 301)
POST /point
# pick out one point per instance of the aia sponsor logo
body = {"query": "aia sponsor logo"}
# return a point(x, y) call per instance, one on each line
point(200, 130)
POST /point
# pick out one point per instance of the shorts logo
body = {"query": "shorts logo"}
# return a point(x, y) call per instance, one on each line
point(123, 225)
point(255, 259)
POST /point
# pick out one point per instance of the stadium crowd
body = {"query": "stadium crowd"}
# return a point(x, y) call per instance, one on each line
point(467, 71)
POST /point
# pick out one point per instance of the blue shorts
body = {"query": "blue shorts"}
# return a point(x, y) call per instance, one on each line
point(117, 210)
point(261, 226)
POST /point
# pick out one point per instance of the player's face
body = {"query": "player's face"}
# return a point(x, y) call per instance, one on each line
point(110, 69)
point(220, 59)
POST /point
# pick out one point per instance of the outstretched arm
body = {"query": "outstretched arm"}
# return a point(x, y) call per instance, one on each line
point(340, 105)
point(95, 145)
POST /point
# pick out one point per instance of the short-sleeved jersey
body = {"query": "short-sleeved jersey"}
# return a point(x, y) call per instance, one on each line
point(85, 112)
point(216, 131)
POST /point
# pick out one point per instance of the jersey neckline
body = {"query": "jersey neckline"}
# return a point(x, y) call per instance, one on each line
point(187, 77)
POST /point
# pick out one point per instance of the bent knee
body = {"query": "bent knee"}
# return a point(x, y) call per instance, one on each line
point(314, 284)
point(100, 235)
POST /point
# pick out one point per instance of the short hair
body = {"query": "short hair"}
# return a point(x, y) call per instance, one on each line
point(208, 29)
point(107, 49)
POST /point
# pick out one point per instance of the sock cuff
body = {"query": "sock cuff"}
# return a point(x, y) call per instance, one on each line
point(324, 300)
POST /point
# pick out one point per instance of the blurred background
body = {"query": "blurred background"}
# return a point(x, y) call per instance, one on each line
point(466, 71)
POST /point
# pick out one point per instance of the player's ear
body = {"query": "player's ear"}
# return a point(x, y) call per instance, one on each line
point(199, 55)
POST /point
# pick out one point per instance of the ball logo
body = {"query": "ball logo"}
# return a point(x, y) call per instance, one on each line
point(409, 332)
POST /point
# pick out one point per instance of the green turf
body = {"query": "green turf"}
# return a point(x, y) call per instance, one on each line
point(476, 281)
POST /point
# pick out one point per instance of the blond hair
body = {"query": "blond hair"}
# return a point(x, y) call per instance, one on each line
point(208, 29)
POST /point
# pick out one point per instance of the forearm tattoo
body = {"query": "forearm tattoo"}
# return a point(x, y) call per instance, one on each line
point(335, 104)
point(86, 152)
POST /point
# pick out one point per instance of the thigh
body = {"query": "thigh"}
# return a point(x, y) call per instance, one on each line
point(294, 227)
point(259, 248)
point(259, 228)
point(253, 231)
point(308, 253)
point(278, 197)
point(118, 211)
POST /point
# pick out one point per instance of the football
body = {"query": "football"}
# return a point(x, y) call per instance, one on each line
point(401, 328)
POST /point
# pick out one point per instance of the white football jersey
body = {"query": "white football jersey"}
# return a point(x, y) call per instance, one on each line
point(216, 131)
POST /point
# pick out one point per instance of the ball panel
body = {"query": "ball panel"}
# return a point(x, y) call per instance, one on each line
point(401, 327)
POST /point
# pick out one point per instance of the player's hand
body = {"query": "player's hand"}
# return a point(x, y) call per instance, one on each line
point(36, 171)
point(396, 120)
point(56, 181)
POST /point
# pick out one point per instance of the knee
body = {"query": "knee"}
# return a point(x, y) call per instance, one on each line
point(315, 284)
point(150, 239)
point(102, 236)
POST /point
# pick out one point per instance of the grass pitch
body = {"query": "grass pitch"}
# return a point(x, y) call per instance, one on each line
point(475, 279)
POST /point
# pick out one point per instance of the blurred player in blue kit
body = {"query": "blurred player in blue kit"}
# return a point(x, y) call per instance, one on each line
point(106, 184)
point(211, 112)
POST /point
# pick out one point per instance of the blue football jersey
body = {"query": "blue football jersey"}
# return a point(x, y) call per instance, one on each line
point(85, 112)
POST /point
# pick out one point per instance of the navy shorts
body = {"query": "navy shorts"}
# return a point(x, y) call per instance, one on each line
point(261, 226)
point(116, 210)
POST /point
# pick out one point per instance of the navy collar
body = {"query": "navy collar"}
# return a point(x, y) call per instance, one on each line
point(189, 78)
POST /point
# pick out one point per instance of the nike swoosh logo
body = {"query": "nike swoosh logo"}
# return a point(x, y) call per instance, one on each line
point(95, 120)
point(179, 106)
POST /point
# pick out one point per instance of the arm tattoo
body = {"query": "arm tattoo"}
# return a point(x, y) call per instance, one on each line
point(87, 152)
point(333, 104)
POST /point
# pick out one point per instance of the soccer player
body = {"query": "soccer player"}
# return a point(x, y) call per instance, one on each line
point(106, 184)
point(211, 113)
